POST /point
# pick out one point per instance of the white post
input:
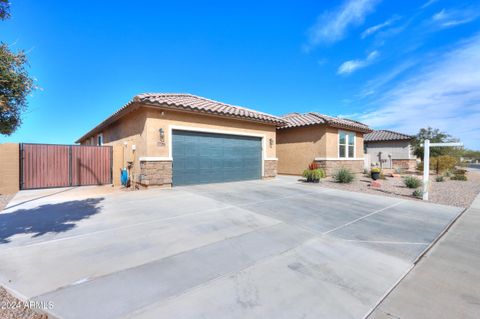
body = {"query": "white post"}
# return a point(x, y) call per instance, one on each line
point(426, 168)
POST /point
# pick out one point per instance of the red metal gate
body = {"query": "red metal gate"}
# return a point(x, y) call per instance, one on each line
point(48, 165)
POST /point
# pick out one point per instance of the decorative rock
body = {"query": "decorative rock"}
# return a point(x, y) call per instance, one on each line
point(375, 184)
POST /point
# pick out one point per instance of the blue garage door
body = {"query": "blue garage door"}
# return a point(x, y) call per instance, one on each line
point(200, 158)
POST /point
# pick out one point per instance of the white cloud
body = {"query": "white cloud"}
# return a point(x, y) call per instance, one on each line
point(331, 26)
point(428, 3)
point(453, 18)
point(378, 27)
point(378, 83)
point(350, 66)
point(444, 94)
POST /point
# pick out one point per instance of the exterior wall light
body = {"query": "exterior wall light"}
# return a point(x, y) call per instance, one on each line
point(271, 142)
point(162, 135)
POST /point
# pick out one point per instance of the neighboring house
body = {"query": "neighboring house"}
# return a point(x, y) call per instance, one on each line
point(312, 137)
point(390, 150)
point(186, 139)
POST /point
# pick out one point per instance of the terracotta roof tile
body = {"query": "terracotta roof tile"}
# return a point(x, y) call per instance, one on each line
point(314, 118)
point(192, 103)
point(386, 135)
point(197, 103)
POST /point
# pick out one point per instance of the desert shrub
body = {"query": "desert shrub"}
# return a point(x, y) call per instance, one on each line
point(442, 163)
point(447, 174)
point(412, 182)
point(343, 175)
point(459, 177)
point(314, 174)
point(399, 170)
point(439, 178)
point(418, 193)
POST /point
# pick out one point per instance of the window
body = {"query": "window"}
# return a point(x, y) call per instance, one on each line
point(346, 144)
point(100, 139)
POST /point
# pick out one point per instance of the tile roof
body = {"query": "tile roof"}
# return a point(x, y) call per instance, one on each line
point(188, 102)
point(314, 118)
point(386, 135)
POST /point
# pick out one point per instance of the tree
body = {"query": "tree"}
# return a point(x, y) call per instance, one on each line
point(15, 82)
point(435, 136)
point(4, 9)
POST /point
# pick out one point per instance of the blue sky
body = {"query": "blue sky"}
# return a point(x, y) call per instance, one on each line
point(398, 65)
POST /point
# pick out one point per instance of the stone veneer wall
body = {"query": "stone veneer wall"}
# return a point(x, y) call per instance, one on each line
point(270, 168)
point(408, 164)
point(330, 166)
point(158, 173)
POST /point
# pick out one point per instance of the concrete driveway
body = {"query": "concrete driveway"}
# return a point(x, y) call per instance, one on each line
point(256, 249)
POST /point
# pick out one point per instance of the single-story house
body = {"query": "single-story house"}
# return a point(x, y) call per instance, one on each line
point(389, 150)
point(186, 139)
point(331, 142)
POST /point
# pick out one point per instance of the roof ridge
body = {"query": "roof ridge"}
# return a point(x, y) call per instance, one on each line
point(394, 132)
point(231, 105)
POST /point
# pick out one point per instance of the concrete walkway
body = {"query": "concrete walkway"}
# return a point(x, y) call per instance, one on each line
point(446, 282)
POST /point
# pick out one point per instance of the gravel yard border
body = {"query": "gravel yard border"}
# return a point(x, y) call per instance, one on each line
point(449, 192)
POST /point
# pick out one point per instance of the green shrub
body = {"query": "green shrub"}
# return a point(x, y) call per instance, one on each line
point(418, 193)
point(314, 174)
point(459, 177)
point(447, 174)
point(439, 179)
point(412, 182)
point(343, 175)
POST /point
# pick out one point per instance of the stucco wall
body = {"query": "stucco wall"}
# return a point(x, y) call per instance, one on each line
point(9, 168)
point(398, 149)
point(157, 119)
point(130, 129)
point(117, 164)
point(298, 147)
point(359, 152)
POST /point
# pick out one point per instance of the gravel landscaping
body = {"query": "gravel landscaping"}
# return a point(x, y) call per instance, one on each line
point(12, 308)
point(449, 192)
point(4, 199)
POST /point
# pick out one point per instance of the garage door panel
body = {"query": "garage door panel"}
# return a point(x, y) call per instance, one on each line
point(211, 158)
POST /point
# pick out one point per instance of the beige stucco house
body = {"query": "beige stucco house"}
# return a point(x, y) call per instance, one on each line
point(390, 150)
point(186, 139)
point(312, 137)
